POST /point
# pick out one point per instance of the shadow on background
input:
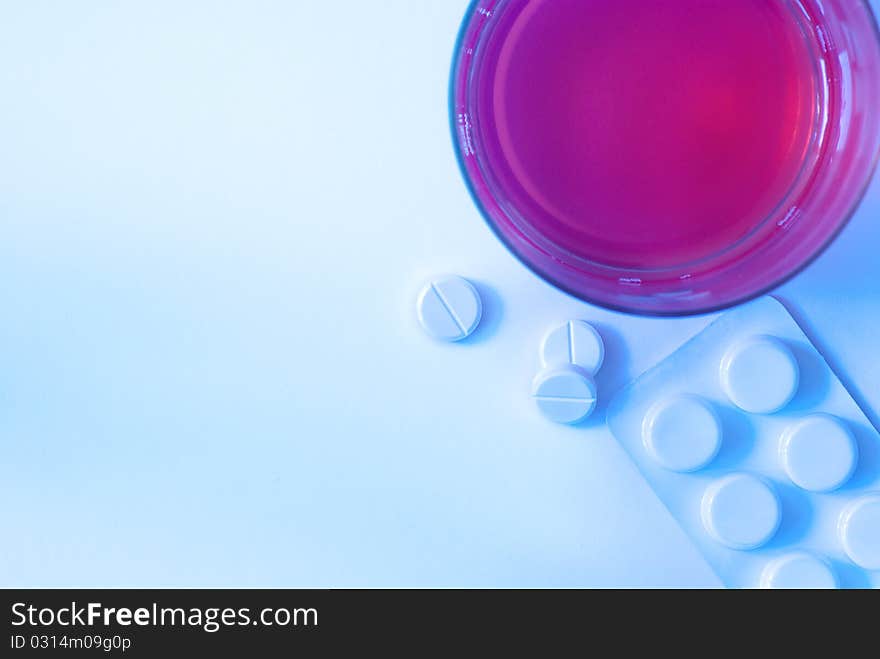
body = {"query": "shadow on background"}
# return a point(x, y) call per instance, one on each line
point(815, 380)
point(493, 314)
point(612, 376)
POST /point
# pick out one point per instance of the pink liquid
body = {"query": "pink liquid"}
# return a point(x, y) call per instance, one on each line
point(647, 133)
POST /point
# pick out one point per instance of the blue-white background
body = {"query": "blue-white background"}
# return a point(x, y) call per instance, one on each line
point(214, 218)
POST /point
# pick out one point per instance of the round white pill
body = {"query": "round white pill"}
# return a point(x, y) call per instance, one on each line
point(682, 434)
point(859, 530)
point(576, 343)
point(450, 308)
point(565, 394)
point(799, 571)
point(760, 376)
point(741, 511)
point(819, 453)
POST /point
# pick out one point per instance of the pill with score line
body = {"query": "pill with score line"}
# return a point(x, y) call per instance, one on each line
point(577, 343)
point(565, 394)
point(450, 308)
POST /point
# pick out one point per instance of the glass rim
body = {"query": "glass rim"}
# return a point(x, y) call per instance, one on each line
point(634, 309)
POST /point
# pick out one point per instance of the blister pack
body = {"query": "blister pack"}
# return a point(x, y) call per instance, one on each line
point(760, 453)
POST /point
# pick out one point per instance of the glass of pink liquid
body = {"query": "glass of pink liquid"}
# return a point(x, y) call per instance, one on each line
point(662, 157)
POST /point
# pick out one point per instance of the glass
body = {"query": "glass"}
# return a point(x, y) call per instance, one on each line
point(667, 158)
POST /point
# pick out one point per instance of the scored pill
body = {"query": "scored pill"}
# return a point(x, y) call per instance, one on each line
point(577, 343)
point(566, 394)
point(450, 308)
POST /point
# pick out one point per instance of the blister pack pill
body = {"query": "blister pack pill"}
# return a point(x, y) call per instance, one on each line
point(760, 453)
